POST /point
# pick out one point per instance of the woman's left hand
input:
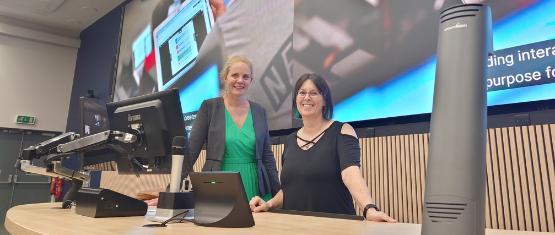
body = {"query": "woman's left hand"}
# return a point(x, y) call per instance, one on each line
point(258, 204)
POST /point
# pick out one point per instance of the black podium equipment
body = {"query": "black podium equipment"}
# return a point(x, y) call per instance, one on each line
point(220, 200)
point(141, 133)
point(154, 120)
point(455, 184)
point(98, 203)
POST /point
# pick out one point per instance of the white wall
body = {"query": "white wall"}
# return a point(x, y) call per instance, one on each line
point(36, 77)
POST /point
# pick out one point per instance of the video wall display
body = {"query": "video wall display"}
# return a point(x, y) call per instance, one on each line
point(377, 56)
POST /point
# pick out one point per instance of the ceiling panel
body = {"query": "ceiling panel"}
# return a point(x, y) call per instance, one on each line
point(65, 17)
point(43, 7)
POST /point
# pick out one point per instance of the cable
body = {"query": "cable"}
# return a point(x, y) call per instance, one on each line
point(173, 218)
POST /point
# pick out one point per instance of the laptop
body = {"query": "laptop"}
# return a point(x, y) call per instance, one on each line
point(177, 41)
point(220, 200)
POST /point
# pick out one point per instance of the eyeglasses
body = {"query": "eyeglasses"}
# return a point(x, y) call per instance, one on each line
point(312, 94)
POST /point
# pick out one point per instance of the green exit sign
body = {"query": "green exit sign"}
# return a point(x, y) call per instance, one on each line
point(27, 120)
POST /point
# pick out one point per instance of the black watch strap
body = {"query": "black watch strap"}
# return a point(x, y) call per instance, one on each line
point(368, 207)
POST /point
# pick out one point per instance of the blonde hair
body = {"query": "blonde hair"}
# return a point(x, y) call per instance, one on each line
point(232, 60)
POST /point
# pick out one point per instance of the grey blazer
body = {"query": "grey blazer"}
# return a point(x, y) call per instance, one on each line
point(209, 129)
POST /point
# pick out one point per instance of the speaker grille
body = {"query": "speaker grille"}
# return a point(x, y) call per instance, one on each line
point(458, 16)
point(459, 11)
point(440, 212)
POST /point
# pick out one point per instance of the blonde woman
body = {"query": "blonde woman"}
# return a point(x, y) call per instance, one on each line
point(235, 131)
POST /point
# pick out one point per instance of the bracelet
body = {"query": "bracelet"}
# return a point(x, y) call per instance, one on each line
point(368, 207)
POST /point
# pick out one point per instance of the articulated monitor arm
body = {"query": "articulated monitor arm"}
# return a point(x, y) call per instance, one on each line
point(99, 140)
point(47, 147)
point(66, 144)
point(69, 143)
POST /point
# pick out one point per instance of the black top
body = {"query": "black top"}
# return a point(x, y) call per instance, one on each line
point(311, 179)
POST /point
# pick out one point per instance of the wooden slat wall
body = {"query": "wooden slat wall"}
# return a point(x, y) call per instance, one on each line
point(520, 166)
point(394, 168)
point(200, 161)
point(520, 179)
point(105, 166)
point(131, 184)
point(278, 151)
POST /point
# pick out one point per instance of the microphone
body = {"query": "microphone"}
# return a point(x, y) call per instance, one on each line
point(174, 203)
point(178, 155)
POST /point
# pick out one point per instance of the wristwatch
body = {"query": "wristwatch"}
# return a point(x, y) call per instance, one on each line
point(368, 207)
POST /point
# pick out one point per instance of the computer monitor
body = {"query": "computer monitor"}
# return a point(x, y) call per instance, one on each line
point(94, 119)
point(155, 119)
point(220, 200)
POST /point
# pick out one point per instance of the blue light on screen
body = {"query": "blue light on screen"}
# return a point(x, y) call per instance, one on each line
point(206, 86)
point(412, 91)
point(409, 93)
point(534, 24)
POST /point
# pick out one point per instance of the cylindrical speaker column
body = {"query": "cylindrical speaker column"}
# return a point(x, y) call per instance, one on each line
point(455, 182)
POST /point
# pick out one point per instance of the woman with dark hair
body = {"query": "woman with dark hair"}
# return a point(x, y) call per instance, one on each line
point(321, 161)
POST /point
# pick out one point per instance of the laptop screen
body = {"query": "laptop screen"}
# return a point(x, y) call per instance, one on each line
point(178, 39)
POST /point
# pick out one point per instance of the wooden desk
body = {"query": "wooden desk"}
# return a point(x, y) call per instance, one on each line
point(47, 218)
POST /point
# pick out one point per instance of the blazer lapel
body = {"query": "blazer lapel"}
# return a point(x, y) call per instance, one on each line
point(257, 123)
point(219, 127)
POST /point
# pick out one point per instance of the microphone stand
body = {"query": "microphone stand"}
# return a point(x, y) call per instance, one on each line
point(174, 202)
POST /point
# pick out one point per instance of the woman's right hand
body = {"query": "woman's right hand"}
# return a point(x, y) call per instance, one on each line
point(259, 205)
point(152, 202)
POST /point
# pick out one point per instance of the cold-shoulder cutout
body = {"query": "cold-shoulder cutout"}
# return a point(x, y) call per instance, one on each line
point(347, 129)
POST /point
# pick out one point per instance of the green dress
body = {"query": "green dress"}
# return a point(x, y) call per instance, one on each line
point(239, 154)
